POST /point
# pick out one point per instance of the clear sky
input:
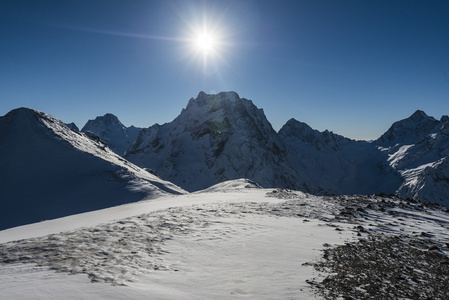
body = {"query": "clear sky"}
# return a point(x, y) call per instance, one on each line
point(349, 66)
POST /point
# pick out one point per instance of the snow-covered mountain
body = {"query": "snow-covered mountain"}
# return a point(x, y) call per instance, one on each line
point(117, 136)
point(418, 148)
point(221, 137)
point(335, 164)
point(409, 131)
point(216, 138)
point(48, 170)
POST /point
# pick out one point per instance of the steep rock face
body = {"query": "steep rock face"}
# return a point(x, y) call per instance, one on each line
point(48, 170)
point(215, 138)
point(117, 136)
point(420, 154)
point(338, 165)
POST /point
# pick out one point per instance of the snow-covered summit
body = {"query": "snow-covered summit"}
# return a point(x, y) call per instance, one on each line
point(49, 170)
point(213, 100)
point(418, 148)
point(409, 130)
point(117, 136)
point(217, 137)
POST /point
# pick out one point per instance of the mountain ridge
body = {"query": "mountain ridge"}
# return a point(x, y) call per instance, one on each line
point(322, 163)
point(219, 137)
point(49, 170)
point(408, 130)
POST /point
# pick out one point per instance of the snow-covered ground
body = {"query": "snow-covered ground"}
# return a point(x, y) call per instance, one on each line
point(230, 241)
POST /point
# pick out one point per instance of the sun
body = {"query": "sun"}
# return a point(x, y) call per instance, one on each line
point(205, 43)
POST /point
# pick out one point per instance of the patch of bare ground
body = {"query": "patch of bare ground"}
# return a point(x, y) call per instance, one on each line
point(384, 267)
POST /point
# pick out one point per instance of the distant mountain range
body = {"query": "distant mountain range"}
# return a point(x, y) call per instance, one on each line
point(217, 137)
point(222, 137)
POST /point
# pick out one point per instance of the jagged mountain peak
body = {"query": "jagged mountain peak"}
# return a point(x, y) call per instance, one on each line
point(302, 132)
point(216, 137)
point(409, 130)
point(295, 128)
point(108, 120)
point(222, 96)
point(109, 129)
point(419, 115)
point(293, 123)
point(213, 102)
point(223, 113)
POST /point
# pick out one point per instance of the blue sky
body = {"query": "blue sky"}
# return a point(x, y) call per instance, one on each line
point(349, 66)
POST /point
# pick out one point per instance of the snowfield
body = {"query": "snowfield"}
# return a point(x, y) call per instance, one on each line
point(233, 240)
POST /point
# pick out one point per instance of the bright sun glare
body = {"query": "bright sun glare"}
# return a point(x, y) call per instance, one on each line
point(205, 43)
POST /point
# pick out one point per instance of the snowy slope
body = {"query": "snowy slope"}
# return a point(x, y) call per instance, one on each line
point(232, 241)
point(117, 136)
point(428, 182)
point(418, 148)
point(201, 246)
point(49, 171)
point(215, 138)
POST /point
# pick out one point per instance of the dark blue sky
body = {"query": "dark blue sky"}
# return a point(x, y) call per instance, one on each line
point(352, 67)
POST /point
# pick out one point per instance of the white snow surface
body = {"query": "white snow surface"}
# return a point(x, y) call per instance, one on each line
point(229, 252)
point(232, 241)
